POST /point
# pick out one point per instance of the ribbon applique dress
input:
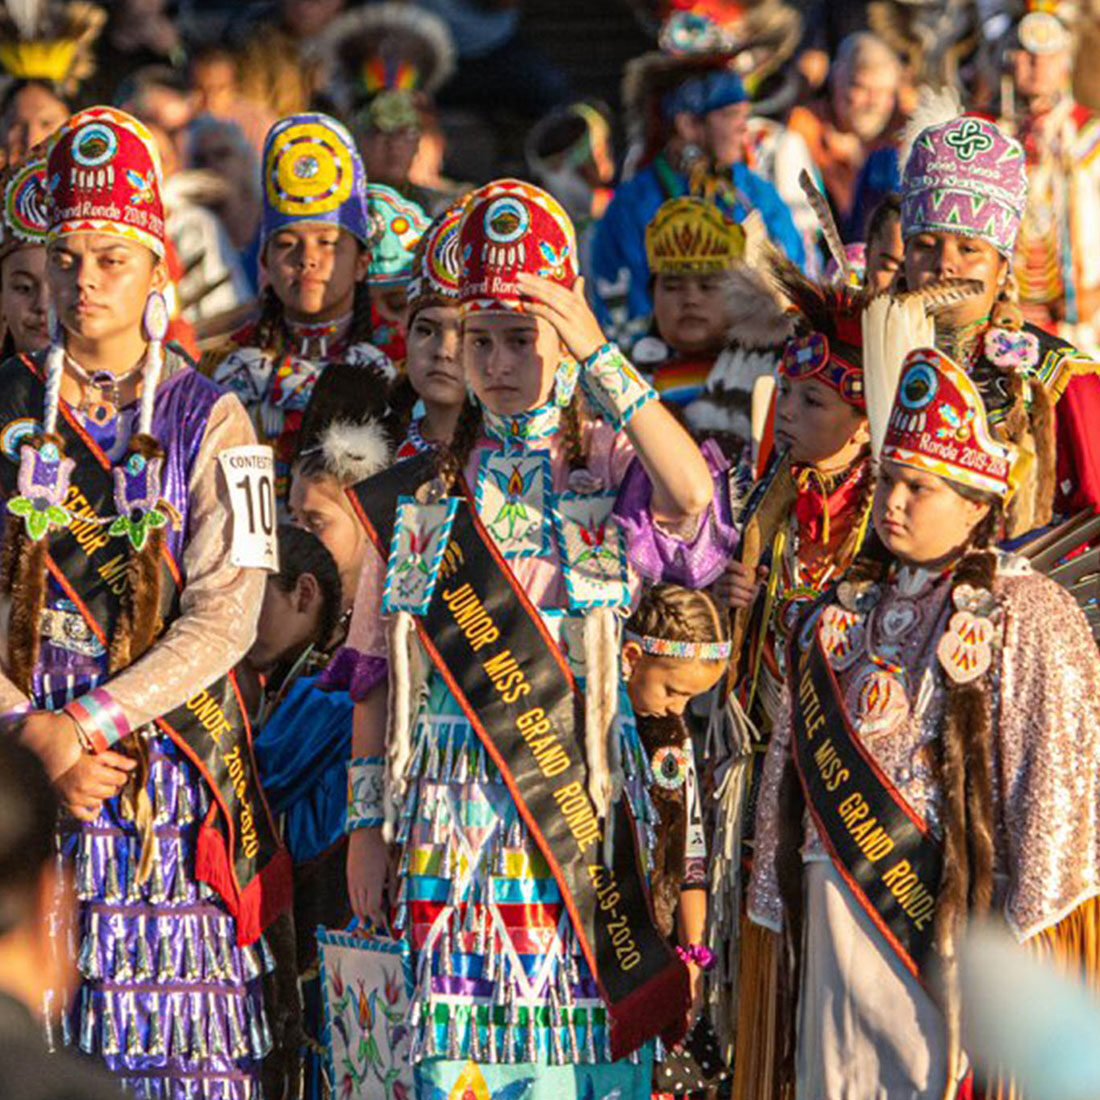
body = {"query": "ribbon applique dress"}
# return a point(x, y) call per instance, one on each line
point(502, 993)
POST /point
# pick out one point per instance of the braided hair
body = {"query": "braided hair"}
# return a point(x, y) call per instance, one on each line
point(678, 614)
point(965, 774)
point(301, 552)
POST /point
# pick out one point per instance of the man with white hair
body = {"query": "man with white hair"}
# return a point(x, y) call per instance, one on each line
point(1056, 265)
point(858, 115)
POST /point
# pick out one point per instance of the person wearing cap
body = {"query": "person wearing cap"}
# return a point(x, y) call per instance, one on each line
point(571, 507)
point(963, 195)
point(315, 236)
point(700, 150)
point(940, 714)
point(434, 379)
point(397, 224)
point(129, 600)
point(1055, 265)
point(24, 293)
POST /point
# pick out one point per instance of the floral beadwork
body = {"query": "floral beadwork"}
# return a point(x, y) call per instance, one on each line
point(137, 498)
point(1012, 349)
point(613, 386)
point(43, 485)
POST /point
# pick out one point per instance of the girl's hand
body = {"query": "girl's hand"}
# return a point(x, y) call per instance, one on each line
point(368, 866)
point(739, 585)
point(566, 310)
point(92, 780)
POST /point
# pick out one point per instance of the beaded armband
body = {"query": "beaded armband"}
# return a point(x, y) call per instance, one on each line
point(613, 386)
point(366, 780)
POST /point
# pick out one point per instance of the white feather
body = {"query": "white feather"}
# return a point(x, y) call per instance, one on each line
point(892, 328)
point(706, 417)
point(601, 689)
point(27, 16)
point(353, 452)
point(935, 106)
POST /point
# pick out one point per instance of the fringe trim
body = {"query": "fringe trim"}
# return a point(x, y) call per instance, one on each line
point(1073, 946)
point(759, 1039)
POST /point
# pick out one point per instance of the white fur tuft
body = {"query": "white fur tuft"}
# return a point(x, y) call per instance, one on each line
point(935, 106)
point(353, 452)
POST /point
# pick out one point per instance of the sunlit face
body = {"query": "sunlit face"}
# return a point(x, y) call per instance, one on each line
point(690, 311)
point(313, 269)
point(865, 103)
point(510, 360)
point(930, 257)
point(1041, 76)
point(661, 686)
point(817, 425)
point(885, 255)
point(724, 133)
point(100, 283)
point(24, 298)
point(33, 115)
point(433, 355)
point(288, 621)
point(321, 507)
point(920, 518)
point(388, 156)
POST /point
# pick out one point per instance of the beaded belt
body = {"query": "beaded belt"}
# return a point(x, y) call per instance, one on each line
point(65, 628)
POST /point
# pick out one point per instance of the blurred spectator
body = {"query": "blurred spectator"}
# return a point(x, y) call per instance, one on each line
point(216, 91)
point(30, 111)
point(704, 156)
point(221, 148)
point(36, 897)
point(885, 250)
point(498, 67)
point(158, 95)
point(139, 33)
point(381, 65)
point(858, 115)
point(274, 45)
point(569, 152)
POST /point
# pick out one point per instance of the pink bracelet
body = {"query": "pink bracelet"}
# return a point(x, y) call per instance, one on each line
point(697, 953)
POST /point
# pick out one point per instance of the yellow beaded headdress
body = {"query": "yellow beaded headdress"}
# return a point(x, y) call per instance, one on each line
point(50, 41)
point(690, 236)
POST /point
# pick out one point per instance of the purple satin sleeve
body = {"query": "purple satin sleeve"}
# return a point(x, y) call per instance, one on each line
point(356, 673)
point(659, 555)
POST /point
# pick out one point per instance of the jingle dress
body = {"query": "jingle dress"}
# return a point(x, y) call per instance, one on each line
point(166, 999)
point(502, 992)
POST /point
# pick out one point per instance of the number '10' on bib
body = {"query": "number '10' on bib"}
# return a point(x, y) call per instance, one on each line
point(250, 474)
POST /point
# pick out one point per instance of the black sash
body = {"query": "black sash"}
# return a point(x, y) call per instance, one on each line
point(882, 849)
point(239, 851)
point(492, 649)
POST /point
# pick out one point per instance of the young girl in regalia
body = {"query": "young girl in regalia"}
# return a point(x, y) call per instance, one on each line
point(315, 238)
point(129, 600)
point(935, 760)
point(516, 804)
point(963, 194)
point(433, 357)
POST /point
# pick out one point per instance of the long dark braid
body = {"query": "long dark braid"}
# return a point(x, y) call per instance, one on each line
point(271, 330)
point(451, 461)
point(362, 327)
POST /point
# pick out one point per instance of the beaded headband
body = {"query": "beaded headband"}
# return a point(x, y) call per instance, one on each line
point(664, 647)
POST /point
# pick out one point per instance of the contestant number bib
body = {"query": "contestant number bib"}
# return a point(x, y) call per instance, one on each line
point(250, 474)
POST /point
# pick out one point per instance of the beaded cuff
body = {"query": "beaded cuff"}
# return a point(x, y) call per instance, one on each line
point(366, 781)
point(100, 719)
point(613, 387)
